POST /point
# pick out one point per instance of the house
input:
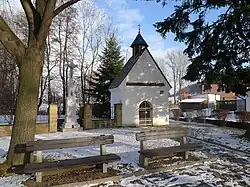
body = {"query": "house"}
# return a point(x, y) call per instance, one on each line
point(198, 89)
point(216, 99)
point(189, 91)
point(200, 102)
point(142, 88)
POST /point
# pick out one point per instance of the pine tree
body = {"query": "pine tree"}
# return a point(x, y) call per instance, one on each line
point(218, 49)
point(110, 67)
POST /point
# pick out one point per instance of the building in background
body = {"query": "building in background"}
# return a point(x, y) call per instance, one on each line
point(198, 89)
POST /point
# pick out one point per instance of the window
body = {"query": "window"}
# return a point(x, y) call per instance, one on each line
point(145, 113)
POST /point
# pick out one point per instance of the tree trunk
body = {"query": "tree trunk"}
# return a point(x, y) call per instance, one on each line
point(175, 93)
point(64, 98)
point(49, 91)
point(174, 84)
point(180, 86)
point(23, 131)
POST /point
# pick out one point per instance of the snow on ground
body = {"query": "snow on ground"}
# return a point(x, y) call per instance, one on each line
point(230, 169)
point(222, 135)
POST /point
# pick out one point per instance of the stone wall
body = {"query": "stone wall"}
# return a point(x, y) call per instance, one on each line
point(87, 117)
point(53, 116)
point(108, 123)
point(118, 115)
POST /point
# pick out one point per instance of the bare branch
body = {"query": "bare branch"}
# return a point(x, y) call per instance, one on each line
point(40, 6)
point(64, 6)
point(10, 41)
point(46, 20)
point(28, 9)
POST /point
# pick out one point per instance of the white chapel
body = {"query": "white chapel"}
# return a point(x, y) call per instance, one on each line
point(141, 88)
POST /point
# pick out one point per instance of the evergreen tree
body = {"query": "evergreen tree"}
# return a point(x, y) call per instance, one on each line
point(219, 49)
point(110, 67)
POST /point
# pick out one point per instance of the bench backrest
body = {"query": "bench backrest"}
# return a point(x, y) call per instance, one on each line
point(162, 134)
point(40, 145)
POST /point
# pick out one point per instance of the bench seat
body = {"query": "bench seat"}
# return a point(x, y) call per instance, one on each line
point(164, 152)
point(61, 164)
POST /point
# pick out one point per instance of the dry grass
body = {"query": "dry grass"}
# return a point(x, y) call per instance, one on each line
point(153, 164)
point(3, 170)
point(70, 176)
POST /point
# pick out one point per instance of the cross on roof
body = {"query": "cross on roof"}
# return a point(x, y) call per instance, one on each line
point(139, 31)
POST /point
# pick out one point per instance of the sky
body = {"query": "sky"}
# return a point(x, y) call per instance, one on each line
point(128, 14)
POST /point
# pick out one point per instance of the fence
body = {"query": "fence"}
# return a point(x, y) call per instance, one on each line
point(102, 110)
point(89, 122)
point(8, 119)
point(45, 123)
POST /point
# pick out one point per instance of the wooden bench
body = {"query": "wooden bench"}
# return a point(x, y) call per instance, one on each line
point(164, 152)
point(36, 147)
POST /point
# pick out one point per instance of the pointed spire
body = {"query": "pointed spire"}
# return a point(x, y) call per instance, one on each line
point(139, 39)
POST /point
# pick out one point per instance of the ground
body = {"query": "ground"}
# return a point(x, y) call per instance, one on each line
point(231, 167)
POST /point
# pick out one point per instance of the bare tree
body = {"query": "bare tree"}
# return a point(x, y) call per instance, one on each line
point(177, 62)
point(8, 84)
point(94, 26)
point(45, 84)
point(64, 37)
point(29, 59)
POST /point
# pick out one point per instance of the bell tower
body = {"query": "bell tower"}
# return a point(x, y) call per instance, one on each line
point(138, 44)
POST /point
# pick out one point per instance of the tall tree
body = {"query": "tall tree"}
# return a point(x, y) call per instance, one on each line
point(174, 65)
point(110, 67)
point(29, 59)
point(219, 49)
point(93, 29)
point(64, 37)
point(178, 63)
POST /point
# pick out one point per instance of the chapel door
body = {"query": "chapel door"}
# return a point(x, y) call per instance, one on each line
point(145, 113)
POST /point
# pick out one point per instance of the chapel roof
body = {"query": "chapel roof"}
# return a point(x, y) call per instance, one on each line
point(139, 41)
point(127, 68)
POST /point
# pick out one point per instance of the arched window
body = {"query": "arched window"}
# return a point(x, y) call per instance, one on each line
point(145, 113)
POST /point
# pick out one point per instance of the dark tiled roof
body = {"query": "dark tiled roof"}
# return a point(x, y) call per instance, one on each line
point(129, 65)
point(192, 89)
point(125, 70)
point(139, 41)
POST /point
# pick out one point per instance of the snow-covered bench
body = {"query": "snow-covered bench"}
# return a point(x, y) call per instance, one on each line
point(35, 147)
point(164, 152)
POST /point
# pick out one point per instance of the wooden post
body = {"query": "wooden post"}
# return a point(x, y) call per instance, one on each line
point(103, 151)
point(38, 160)
point(142, 159)
point(183, 142)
